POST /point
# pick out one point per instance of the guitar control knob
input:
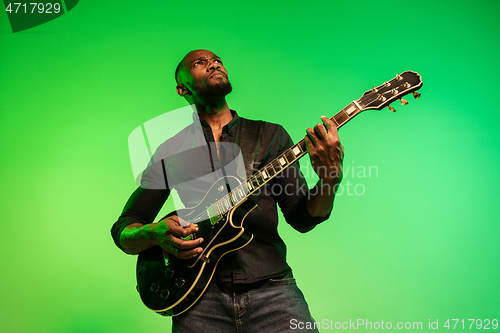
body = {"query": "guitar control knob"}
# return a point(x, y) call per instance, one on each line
point(391, 108)
point(416, 94)
point(164, 293)
point(154, 287)
point(169, 273)
point(180, 282)
point(404, 101)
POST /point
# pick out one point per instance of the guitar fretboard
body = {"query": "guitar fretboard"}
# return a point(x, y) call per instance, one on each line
point(272, 169)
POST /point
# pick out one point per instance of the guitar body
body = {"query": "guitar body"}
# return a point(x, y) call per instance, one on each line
point(169, 285)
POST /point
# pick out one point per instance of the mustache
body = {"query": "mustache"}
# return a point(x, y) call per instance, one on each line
point(218, 72)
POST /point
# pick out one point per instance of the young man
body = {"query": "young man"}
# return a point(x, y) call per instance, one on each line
point(253, 289)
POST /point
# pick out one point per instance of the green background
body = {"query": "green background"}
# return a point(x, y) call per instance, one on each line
point(421, 242)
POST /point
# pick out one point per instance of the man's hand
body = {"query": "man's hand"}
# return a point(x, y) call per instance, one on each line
point(168, 234)
point(325, 151)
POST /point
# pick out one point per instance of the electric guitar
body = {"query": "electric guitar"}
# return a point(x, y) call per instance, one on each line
point(170, 286)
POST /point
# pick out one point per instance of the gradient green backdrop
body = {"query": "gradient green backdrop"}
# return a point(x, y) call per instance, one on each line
point(421, 243)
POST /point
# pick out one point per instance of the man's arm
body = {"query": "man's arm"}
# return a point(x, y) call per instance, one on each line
point(167, 233)
point(326, 154)
point(134, 231)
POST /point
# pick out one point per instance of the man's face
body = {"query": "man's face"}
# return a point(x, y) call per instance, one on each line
point(204, 75)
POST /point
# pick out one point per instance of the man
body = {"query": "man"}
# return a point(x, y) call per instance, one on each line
point(253, 289)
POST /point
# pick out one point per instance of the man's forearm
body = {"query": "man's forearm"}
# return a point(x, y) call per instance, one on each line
point(320, 199)
point(136, 238)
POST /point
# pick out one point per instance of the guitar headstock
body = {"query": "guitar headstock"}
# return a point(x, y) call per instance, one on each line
point(390, 91)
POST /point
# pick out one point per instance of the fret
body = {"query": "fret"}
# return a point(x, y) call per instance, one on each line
point(282, 161)
point(264, 174)
point(302, 145)
point(296, 150)
point(340, 118)
point(236, 195)
point(270, 170)
point(249, 185)
point(276, 166)
point(289, 156)
point(255, 183)
point(343, 110)
point(350, 109)
point(259, 179)
point(240, 189)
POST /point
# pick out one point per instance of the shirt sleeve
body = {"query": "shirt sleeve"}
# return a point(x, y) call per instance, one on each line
point(142, 207)
point(291, 190)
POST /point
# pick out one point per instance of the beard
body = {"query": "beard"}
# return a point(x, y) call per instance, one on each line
point(217, 90)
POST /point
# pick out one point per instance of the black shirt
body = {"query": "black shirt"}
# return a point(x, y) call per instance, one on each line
point(189, 164)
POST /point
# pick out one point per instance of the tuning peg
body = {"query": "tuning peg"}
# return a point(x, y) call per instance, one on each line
point(391, 108)
point(404, 101)
point(416, 94)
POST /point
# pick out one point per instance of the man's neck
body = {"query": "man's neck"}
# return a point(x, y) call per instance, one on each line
point(216, 115)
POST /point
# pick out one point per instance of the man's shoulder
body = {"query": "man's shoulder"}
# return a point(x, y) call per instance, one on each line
point(269, 126)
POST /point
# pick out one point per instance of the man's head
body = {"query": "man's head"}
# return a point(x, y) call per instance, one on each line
point(201, 77)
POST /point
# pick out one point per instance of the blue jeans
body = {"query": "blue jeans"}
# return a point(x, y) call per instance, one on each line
point(264, 307)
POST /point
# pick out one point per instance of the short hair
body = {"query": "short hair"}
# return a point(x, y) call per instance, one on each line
point(177, 70)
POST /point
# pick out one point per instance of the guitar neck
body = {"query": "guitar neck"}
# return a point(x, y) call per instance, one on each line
point(275, 167)
point(374, 99)
point(294, 153)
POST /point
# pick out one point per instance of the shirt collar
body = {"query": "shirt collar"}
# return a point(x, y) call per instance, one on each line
point(231, 126)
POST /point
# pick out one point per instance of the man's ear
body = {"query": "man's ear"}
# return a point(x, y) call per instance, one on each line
point(182, 90)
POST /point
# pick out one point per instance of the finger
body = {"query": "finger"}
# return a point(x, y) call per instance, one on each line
point(186, 244)
point(321, 131)
point(311, 136)
point(328, 123)
point(191, 228)
point(182, 254)
point(188, 254)
point(175, 219)
point(177, 230)
point(331, 127)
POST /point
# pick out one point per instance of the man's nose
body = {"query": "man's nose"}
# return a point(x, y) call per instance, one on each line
point(213, 65)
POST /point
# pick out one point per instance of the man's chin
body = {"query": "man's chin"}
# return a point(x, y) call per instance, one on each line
point(219, 89)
